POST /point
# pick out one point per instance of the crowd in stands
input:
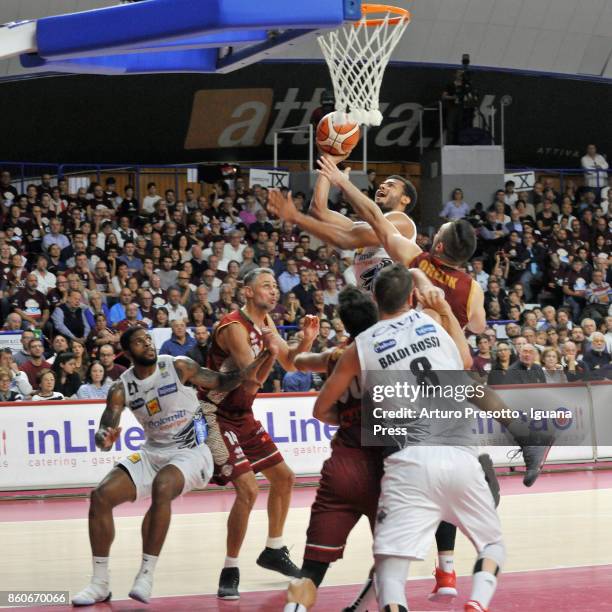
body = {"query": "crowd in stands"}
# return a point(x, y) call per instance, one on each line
point(76, 270)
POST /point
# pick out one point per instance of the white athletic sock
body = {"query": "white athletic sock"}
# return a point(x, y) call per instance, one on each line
point(483, 588)
point(446, 563)
point(274, 542)
point(294, 607)
point(231, 562)
point(148, 566)
point(100, 568)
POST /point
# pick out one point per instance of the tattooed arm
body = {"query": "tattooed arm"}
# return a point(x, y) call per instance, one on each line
point(109, 429)
point(191, 372)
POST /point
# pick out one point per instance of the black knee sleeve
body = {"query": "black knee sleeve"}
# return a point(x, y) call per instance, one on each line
point(394, 608)
point(478, 567)
point(445, 536)
point(315, 570)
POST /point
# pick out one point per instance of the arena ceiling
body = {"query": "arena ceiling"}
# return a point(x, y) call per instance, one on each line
point(572, 37)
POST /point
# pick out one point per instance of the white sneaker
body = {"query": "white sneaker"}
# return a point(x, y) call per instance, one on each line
point(95, 592)
point(142, 587)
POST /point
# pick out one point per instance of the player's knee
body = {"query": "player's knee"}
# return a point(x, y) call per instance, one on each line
point(162, 490)
point(302, 591)
point(99, 499)
point(284, 479)
point(247, 492)
point(496, 552)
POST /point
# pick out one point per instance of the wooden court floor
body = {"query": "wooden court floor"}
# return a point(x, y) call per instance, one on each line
point(564, 522)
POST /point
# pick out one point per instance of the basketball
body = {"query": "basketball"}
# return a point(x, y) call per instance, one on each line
point(337, 139)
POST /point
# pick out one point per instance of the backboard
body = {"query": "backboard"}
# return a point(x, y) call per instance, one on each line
point(170, 35)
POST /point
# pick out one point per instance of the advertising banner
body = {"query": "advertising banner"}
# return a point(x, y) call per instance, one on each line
point(46, 445)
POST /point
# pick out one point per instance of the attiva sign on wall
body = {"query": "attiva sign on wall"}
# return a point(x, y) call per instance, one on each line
point(233, 117)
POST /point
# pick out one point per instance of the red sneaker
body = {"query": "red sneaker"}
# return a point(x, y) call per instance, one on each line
point(446, 586)
point(474, 606)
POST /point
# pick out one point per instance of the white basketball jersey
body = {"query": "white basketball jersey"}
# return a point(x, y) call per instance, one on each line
point(163, 405)
point(368, 262)
point(413, 349)
point(393, 344)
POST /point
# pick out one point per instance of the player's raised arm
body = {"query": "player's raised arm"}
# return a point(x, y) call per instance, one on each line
point(192, 372)
point(476, 311)
point(388, 234)
point(320, 196)
point(338, 382)
point(109, 429)
point(313, 362)
point(287, 355)
point(352, 237)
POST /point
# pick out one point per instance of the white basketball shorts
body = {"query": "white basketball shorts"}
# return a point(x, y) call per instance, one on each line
point(196, 464)
point(423, 485)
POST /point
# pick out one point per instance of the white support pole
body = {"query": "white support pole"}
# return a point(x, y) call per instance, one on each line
point(365, 147)
point(275, 149)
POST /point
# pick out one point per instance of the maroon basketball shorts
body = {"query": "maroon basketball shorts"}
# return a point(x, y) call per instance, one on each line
point(349, 488)
point(249, 445)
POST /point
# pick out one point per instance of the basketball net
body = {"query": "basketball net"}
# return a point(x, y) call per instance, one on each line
point(357, 55)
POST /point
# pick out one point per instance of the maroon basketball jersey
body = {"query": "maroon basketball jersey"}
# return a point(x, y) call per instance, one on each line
point(456, 284)
point(349, 408)
point(236, 401)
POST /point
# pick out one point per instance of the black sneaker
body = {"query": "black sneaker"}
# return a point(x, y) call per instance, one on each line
point(534, 458)
point(277, 560)
point(228, 583)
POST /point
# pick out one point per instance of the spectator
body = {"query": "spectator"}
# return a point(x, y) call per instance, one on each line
point(180, 343)
point(69, 319)
point(60, 344)
point(199, 352)
point(46, 280)
point(499, 368)
point(595, 166)
point(81, 358)
point(598, 296)
point(55, 236)
point(553, 370)
point(107, 359)
point(167, 274)
point(456, 208)
point(176, 311)
point(330, 293)
point(297, 382)
point(19, 379)
point(131, 319)
point(572, 363)
point(118, 312)
point(36, 361)
point(322, 342)
point(288, 279)
point(67, 381)
point(597, 358)
point(162, 320)
point(31, 305)
point(13, 323)
point(97, 383)
point(6, 393)
point(574, 288)
point(526, 370)
point(160, 296)
point(96, 307)
point(481, 362)
point(23, 353)
point(45, 387)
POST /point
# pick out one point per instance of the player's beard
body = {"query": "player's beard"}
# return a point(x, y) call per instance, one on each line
point(144, 361)
point(388, 205)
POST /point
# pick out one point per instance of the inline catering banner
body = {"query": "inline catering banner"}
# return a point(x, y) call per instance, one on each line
point(52, 445)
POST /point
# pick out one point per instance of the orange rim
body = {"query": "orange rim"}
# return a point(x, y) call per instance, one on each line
point(369, 9)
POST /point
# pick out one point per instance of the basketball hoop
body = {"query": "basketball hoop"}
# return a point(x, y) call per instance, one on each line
point(357, 55)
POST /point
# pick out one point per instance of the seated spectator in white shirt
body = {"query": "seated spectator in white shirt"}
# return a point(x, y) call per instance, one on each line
point(595, 166)
point(233, 249)
point(176, 311)
point(46, 383)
